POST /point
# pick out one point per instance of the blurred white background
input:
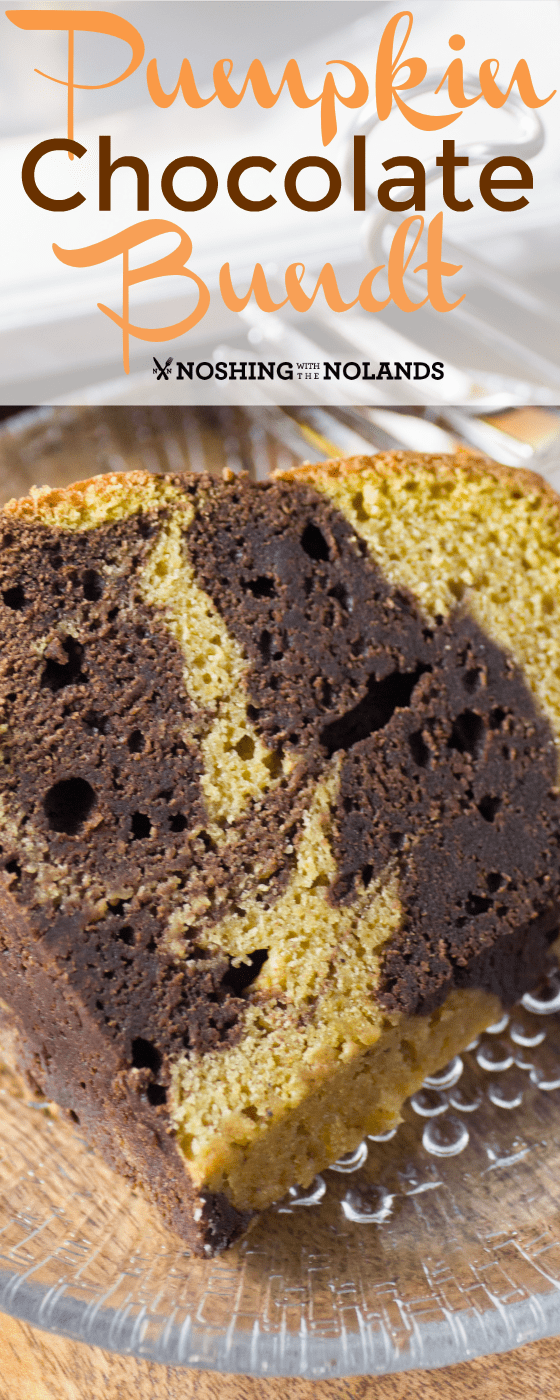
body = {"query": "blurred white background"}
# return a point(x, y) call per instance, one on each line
point(499, 348)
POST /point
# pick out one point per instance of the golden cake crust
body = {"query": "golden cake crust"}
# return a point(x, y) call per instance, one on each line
point(444, 465)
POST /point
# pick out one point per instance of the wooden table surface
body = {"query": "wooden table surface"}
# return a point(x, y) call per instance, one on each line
point(37, 1366)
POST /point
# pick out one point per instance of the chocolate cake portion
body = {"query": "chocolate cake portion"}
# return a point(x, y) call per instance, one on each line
point(447, 765)
point(461, 785)
point(312, 611)
point(102, 763)
point(267, 810)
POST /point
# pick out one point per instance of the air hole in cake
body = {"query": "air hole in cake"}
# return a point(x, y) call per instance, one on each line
point(265, 640)
point(14, 597)
point(73, 1116)
point(156, 1094)
point(140, 826)
point(472, 678)
point(324, 690)
point(314, 543)
point(178, 822)
point(238, 978)
point(13, 868)
point(59, 672)
point(358, 504)
point(339, 592)
point(494, 880)
point(497, 717)
point(245, 747)
point(273, 762)
point(145, 1055)
point(488, 807)
point(92, 585)
point(68, 804)
point(136, 741)
point(477, 904)
point(95, 722)
point(467, 734)
point(374, 711)
point(262, 587)
point(419, 750)
point(126, 935)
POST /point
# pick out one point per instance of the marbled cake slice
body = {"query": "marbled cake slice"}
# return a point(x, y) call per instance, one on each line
point(279, 807)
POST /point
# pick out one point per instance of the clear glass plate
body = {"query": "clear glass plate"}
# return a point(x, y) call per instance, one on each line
point(438, 1243)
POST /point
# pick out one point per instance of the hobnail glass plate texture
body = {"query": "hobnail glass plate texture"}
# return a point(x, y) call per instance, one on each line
point(436, 1243)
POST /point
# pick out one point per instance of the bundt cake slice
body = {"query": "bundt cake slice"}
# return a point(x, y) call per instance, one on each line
point(279, 804)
